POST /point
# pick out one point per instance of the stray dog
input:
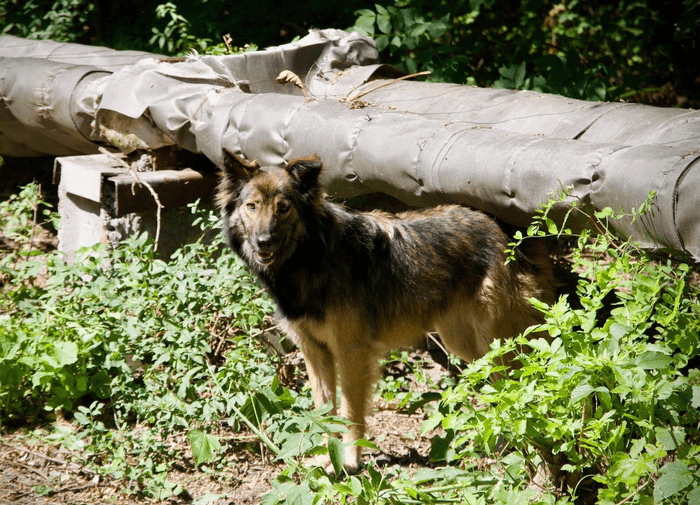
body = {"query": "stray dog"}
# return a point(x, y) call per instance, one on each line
point(349, 286)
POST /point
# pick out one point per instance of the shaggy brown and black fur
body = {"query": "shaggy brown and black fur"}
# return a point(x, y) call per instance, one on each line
point(350, 285)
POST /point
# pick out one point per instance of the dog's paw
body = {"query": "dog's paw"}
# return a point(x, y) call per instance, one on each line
point(350, 467)
point(351, 463)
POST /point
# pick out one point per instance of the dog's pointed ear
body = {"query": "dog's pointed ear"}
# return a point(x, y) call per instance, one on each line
point(237, 169)
point(306, 171)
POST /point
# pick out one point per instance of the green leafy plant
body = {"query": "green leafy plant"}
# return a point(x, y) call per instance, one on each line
point(407, 34)
point(176, 38)
point(558, 74)
point(58, 20)
point(609, 403)
point(21, 214)
point(580, 49)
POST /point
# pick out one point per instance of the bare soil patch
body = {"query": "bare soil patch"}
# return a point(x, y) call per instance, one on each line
point(35, 471)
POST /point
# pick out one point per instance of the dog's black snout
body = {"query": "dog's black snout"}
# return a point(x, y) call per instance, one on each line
point(264, 240)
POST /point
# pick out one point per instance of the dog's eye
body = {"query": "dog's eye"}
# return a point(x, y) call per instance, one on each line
point(283, 208)
point(250, 205)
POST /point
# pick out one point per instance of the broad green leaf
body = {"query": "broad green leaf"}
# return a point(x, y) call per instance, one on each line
point(209, 498)
point(81, 383)
point(384, 23)
point(40, 378)
point(300, 495)
point(66, 353)
point(433, 422)
point(604, 397)
point(653, 360)
point(604, 213)
point(440, 449)
point(580, 392)
point(275, 496)
point(694, 496)
point(382, 42)
point(355, 485)
point(204, 446)
point(539, 344)
point(295, 445)
point(365, 23)
point(99, 383)
point(670, 439)
point(363, 442)
point(628, 470)
point(351, 486)
point(438, 28)
point(336, 452)
point(618, 330)
point(695, 402)
point(675, 477)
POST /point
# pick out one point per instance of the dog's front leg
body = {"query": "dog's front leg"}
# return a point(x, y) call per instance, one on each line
point(357, 371)
point(320, 366)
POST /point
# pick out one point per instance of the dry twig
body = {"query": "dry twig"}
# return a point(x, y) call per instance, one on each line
point(402, 78)
point(227, 41)
point(137, 180)
point(26, 467)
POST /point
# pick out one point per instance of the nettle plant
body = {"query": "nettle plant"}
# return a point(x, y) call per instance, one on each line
point(609, 404)
point(107, 324)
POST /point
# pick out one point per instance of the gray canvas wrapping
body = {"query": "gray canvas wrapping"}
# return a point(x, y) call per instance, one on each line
point(501, 151)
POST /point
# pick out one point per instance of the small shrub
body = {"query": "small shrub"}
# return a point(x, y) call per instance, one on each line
point(609, 404)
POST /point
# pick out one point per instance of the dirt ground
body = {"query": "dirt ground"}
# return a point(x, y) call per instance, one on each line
point(36, 472)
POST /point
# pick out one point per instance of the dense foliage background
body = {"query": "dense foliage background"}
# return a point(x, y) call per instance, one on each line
point(646, 51)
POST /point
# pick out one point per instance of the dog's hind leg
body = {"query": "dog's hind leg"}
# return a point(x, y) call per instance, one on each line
point(466, 330)
point(469, 328)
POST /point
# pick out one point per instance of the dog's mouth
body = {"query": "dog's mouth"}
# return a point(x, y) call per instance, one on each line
point(264, 257)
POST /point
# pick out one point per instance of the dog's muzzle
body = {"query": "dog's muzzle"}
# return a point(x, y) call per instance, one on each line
point(267, 247)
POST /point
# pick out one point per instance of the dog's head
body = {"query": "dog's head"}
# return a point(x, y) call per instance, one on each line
point(263, 208)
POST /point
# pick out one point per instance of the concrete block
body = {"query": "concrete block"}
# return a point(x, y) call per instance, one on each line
point(102, 202)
